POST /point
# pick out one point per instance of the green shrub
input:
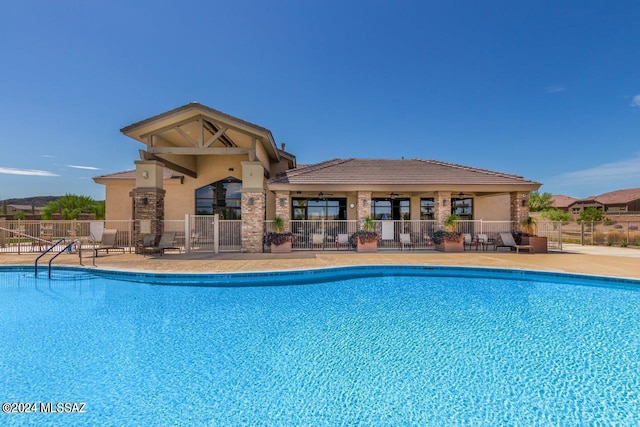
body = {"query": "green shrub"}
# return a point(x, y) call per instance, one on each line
point(556, 215)
point(591, 214)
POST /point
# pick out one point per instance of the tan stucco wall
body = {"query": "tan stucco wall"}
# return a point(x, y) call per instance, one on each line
point(278, 167)
point(262, 156)
point(178, 200)
point(415, 208)
point(494, 208)
point(352, 214)
point(118, 205)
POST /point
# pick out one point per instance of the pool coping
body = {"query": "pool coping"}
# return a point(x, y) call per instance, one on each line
point(332, 273)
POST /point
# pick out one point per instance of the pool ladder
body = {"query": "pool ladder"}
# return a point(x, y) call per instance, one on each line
point(68, 246)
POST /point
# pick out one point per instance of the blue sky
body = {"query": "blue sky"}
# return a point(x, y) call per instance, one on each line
point(548, 89)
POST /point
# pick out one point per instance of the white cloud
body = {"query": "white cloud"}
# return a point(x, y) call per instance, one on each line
point(606, 177)
point(635, 102)
point(555, 89)
point(47, 156)
point(32, 172)
point(91, 168)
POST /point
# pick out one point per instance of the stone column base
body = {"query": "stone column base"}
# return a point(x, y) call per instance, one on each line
point(253, 211)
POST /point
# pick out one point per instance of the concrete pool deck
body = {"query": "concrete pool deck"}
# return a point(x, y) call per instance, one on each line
point(593, 260)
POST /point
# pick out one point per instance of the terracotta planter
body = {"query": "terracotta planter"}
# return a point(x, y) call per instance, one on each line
point(538, 244)
point(367, 247)
point(450, 246)
point(284, 248)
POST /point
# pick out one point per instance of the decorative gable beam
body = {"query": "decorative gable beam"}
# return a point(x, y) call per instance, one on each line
point(144, 155)
point(198, 150)
point(215, 137)
point(186, 137)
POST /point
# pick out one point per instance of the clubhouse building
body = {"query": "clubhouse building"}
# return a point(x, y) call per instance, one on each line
point(196, 160)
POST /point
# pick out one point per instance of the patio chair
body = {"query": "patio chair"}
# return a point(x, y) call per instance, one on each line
point(468, 240)
point(405, 240)
point(166, 243)
point(485, 241)
point(509, 242)
point(342, 240)
point(317, 240)
point(108, 243)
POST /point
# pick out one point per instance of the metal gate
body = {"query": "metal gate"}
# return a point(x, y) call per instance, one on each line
point(208, 233)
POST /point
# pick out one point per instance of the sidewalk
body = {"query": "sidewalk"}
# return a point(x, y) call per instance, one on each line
point(601, 250)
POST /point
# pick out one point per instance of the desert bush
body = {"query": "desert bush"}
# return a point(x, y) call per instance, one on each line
point(614, 237)
point(598, 237)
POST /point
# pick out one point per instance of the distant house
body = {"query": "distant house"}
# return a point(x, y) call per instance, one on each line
point(614, 202)
point(27, 209)
point(562, 202)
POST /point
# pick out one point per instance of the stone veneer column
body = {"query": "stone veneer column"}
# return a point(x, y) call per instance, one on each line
point(364, 205)
point(148, 208)
point(283, 207)
point(253, 210)
point(519, 202)
point(442, 203)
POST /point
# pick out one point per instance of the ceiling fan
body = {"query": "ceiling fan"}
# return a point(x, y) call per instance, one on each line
point(322, 195)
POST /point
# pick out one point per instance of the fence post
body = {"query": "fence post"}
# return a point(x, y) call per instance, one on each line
point(560, 235)
point(628, 235)
point(2, 232)
point(582, 233)
point(187, 233)
point(216, 233)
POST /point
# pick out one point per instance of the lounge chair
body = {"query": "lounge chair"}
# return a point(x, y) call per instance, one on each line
point(342, 240)
point(509, 242)
point(166, 243)
point(405, 240)
point(108, 242)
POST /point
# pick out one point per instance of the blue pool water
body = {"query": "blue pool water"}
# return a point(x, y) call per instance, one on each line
point(390, 346)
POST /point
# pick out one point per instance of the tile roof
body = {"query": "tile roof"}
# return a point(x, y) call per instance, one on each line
point(561, 201)
point(392, 171)
point(193, 105)
point(618, 196)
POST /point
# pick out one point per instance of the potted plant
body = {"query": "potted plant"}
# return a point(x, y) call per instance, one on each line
point(279, 240)
point(365, 240)
point(528, 228)
point(449, 239)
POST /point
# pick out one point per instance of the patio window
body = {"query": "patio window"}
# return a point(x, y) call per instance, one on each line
point(328, 209)
point(390, 209)
point(427, 209)
point(462, 207)
point(222, 197)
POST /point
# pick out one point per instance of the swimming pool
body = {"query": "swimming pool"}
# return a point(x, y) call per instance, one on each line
point(341, 346)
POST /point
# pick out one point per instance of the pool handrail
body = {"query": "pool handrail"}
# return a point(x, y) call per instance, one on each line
point(68, 246)
point(49, 249)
